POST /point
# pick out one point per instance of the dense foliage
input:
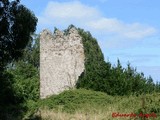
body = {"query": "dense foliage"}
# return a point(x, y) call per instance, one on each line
point(21, 82)
point(17, 23)
point(114, 80)
point(26, 73)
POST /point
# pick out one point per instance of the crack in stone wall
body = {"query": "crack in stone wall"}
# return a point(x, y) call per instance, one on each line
point(61, 61)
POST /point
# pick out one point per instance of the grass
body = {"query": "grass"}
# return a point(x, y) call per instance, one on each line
point(81, 104)
point(78, 115)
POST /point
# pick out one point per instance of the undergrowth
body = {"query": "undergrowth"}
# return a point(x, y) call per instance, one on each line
point(83, 102)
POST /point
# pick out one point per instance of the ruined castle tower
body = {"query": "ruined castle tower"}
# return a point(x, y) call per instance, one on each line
point(61, 61)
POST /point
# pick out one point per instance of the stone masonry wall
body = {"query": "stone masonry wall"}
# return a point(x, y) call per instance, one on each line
point(61, 61)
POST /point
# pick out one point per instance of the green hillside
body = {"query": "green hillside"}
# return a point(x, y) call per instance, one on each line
point(90, 105)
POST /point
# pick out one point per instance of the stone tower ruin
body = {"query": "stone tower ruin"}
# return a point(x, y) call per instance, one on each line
point(61, 61)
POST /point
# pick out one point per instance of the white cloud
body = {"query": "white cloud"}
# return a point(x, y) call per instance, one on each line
point(65, 13)
point(68, 10)
point(132, 31)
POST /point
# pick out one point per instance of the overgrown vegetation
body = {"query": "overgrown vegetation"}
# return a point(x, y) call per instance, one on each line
point(81, 103)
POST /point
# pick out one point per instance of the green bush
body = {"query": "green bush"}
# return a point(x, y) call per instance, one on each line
point(72, 100)
point(26, 82)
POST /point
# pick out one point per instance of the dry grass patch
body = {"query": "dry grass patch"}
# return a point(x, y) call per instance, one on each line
point(78, 115)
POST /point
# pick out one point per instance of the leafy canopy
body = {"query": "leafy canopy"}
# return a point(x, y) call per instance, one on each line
point(17, 23)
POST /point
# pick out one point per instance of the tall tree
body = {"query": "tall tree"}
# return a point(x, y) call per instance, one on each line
point(17, 23)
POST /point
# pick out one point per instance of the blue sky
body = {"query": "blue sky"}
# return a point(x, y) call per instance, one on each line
point(125, 29)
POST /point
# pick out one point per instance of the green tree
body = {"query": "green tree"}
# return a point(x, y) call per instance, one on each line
point(17, 23)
